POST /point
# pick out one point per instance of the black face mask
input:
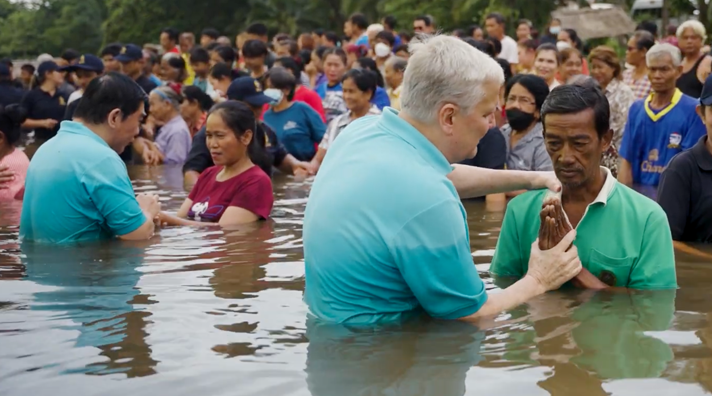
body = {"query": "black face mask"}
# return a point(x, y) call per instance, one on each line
point(519, 120)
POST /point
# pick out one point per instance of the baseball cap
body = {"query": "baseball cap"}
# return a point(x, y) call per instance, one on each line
point(247, 89)
point(86, 62)
point(45, 67)
point(706, 97)
point(129, 53)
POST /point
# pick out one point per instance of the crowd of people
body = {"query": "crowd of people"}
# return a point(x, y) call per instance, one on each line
point(342, 108)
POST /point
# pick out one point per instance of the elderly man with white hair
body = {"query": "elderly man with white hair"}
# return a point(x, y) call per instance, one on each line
point(661, 126)
point(385, 232)
point(691, 37)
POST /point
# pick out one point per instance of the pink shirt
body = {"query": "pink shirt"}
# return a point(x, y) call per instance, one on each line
point(18, 163)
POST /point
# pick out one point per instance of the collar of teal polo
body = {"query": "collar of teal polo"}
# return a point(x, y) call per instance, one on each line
point(78, 128)
point(404, 130)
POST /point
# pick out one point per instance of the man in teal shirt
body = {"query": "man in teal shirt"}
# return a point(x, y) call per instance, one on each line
point(385, 233)
point(623, 237)
point(77, 188)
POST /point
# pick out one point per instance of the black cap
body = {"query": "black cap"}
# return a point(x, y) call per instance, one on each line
point(247, 89)
point(130, 53)
point(86, 62)
point(706, 97)
point(45, 67)
point(4, 70)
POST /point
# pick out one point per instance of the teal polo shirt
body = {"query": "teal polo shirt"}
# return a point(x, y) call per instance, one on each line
point(77, 189)
point(385, 234)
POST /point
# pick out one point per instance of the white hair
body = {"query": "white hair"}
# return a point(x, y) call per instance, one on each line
point(45, 58)
point(375, 28)
point(660, 50)
point(169, 55)
point(444, 69)
point(696, 27)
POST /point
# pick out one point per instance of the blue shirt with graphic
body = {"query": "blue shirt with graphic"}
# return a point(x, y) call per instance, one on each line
point(651, 138)
point(299, 128)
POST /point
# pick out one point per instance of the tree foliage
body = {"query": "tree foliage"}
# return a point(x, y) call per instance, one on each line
point(28, 28)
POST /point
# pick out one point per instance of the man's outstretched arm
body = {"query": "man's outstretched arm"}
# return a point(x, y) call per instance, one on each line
point(471, 181)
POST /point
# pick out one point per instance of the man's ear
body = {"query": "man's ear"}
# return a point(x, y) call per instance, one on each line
point(606, 139)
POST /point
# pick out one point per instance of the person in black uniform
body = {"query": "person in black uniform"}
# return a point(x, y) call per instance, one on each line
point(246, 90)
point(9, 92)
point(88, 68)
point(132, 65)
point(45, 105)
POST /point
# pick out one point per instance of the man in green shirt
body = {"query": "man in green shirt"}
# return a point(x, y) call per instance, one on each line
point(623, 237)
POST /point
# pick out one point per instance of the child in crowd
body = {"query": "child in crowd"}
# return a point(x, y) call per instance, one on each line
point(11, 117)
point(200, 62)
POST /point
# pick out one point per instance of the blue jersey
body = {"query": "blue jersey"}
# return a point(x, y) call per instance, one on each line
point(652, 137)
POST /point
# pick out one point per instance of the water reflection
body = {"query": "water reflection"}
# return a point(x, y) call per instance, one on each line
point(220, 312)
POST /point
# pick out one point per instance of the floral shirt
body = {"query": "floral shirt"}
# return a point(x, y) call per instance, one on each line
point(339, 123)
point(620, 98)
point(641, 88)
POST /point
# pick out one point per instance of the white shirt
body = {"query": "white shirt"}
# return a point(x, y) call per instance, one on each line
point(510, 52)
point(75, 95)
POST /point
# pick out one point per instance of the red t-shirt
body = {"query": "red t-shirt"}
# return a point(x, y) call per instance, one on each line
point(250, 190)
point(306, 95)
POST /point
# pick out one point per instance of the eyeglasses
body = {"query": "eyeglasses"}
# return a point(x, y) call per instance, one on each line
point(522, 100)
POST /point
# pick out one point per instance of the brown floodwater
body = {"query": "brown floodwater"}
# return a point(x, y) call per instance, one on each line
point(213, 312)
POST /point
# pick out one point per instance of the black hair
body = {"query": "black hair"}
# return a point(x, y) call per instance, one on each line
point(254, 49)
point(318, 31)
point(257, 29)
point(644, 40)
point(472, 29)
point(194, 94)
point(398, 64)
point(69, 55)
point(227, 53)
point(648, 26)
point(28, 68)
point(320, 50)
point(365, 80)
point(529, 44)
point(390, 22)
point(336, 51)
point(425, 18)
point(281, 78)
point(212, 46)
point(332, 37)
point(221, 70)
point(172, 33)
point(370, 64)
point(359, 20)
point(199, 55)
point(496, 44)
point(291, 65)
point(240, 118)
point(210, 32)
point(11, 117)
point(387, 36)
point(484, 46)
point(305, 56)
point(7, 62)
point(111, 49)
point(550, 47)
point(402, 47)
point(107, 93)
point(292, 45)
point(575, 39)
point(405, 36)
point(459, 33)
point(499, 18)
point(177, 62)
point(573, 99)
point(534, 84)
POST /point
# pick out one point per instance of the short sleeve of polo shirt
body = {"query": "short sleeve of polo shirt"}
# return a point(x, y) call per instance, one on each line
point(695, 130)
point(507, 260)
point(109, 188)
point(435, 261)
point(653, 269)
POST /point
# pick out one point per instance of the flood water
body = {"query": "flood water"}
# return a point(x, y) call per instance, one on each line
point(213, 312)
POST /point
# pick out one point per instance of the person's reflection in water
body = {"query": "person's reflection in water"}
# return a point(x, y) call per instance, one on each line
point(419, 357)
point(601, 339)
point(96, 289)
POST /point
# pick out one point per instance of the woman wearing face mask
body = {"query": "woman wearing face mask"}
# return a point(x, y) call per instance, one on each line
point(44, 103)
point(606, 69)
point(380, 98)
point(525, 94)
point(234, 191)
point(296, 124)
point(359, 88)
point(330, 91)
point(383, 50)
point(546, 64)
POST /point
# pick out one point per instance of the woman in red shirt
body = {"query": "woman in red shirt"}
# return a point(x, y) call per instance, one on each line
point(234, 191)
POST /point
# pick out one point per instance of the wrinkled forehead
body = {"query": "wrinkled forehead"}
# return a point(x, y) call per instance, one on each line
point(570, 125)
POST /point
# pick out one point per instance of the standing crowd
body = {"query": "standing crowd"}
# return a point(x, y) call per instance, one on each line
point(231, 112)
